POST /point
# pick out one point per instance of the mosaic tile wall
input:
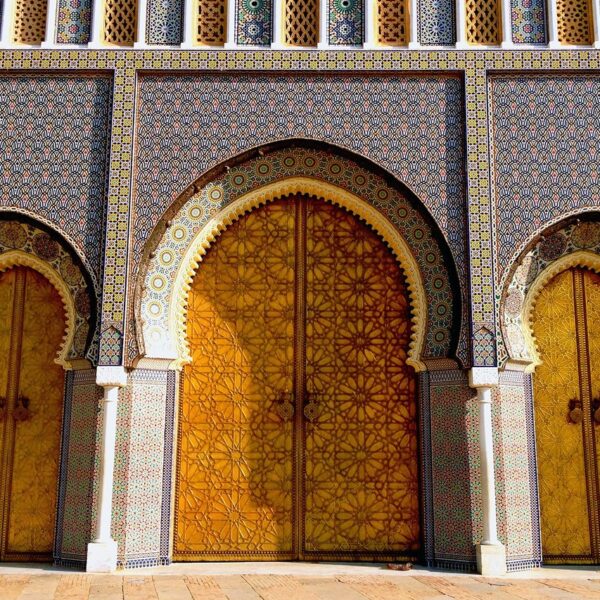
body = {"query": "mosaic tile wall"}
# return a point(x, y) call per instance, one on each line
point(325, 165)
point(455, 470)
point(54, 132)
point(76, 490)
point(546, 159)
point(346, 22)
point(528, 21)
point(254, 22)
point(437, 22)
point(74, 21)
point(412, 125)
point(573, 235)
point(138, 512)
point(515, 468)
point(44, 245)
point(164, 24)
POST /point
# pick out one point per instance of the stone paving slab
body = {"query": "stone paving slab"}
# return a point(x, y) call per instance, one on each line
point(293, 582)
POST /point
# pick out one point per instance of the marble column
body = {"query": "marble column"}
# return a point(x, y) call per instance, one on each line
point(102, 550)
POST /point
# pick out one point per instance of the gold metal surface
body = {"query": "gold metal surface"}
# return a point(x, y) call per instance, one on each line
point(568, 335)
point(234, 489)
point(361, 468)
point(298, 295)
point(33, 313)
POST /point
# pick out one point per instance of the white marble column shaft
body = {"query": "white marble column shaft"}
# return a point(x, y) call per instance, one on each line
point(102, 550)
point(461, 24)
point(8, 17)
point(140, 29)
point(491, 554)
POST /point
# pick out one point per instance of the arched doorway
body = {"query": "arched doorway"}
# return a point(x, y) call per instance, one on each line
point(298, 426)
point(32, 327)
point(566, 327)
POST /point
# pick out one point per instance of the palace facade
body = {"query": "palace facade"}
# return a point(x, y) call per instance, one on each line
point(300, 280)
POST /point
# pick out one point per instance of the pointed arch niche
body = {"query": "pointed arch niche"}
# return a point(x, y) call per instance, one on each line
point(24, 243)
point(572, 243)
point(212, 203)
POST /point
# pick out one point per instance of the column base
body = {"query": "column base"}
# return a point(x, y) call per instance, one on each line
point(491, 559)
point(101, 557)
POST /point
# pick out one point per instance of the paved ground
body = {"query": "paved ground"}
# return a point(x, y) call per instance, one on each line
point(292, 582)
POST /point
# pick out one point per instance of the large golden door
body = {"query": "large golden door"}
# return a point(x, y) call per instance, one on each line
point(32, 325)
point(297, 426)
point(566, 325)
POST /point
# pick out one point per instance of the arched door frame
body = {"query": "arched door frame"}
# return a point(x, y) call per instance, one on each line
point(210, 205)
point(29, 248)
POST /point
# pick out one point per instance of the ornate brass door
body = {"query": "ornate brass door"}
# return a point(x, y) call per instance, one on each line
point(297, 428)
point(32, 325)
point(567, 397)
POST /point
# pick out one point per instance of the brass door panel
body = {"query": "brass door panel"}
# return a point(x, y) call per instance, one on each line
point(234, 496)
point(33, 413)
point(591, 288)
point(297, 434)
point(567, 331)
point(362, 491)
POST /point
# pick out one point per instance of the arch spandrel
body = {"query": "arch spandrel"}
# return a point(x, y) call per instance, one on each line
point(162, 293)
point(576, 244)
point(23, 244)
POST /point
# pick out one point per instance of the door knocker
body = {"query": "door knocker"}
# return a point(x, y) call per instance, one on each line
point(285, 406)
point(575, 411)
point(21, 410)
point(311, 408)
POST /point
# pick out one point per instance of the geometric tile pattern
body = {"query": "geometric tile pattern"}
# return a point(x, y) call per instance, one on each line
point(324, 166)
point(74, 513)
point(455, 469)
point(139, 463)
point(528, 21)
point(474, 64)
point(165, 19)
point(483, 22)
point(254, 22)
point(437, 23)
point(345, 22)
point(301, 22)
point(546, 136)
point(558, 241)
point(74, 21)
point(60, 125)
point(120, 21)
point(483, 317)
point(515, 470)
point(418, 137)
point(29, 239)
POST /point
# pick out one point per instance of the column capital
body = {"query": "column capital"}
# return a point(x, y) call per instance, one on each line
point(483, 377)
point(111, 376)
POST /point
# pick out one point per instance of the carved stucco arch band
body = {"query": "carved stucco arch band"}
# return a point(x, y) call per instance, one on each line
point(18, 258)
point(169, 340)
point(529, 356)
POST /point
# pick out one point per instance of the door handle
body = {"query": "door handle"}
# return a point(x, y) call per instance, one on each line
point(575, 411)
point(21, 410)
point(2, 407)
point(596, 410)
point(285, 405)
point(311, 407)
